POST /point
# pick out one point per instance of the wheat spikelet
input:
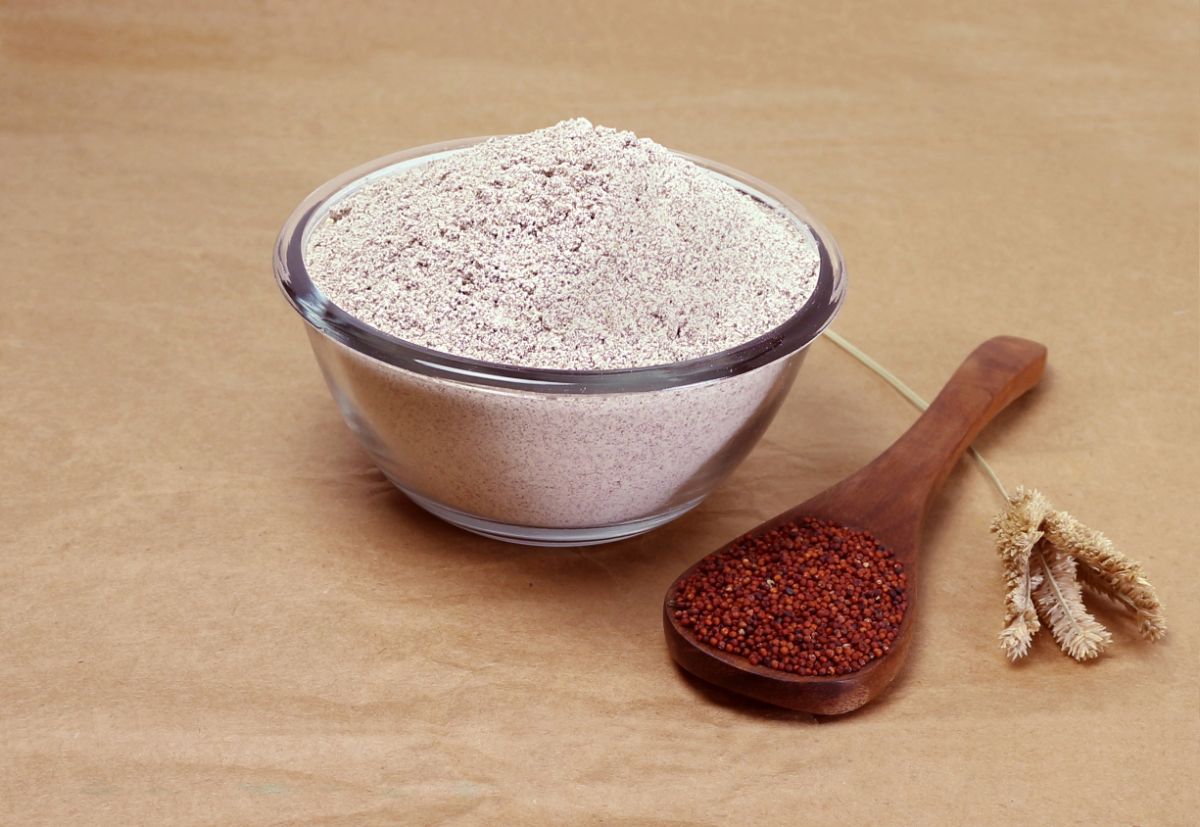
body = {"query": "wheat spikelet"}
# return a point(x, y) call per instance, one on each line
point(1060, 603)
point(1109, 571)
point(1017, 531)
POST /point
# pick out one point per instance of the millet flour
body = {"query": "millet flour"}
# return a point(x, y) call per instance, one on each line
point(573, 247)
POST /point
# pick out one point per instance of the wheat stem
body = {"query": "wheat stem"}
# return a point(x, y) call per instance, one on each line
point(912, 396)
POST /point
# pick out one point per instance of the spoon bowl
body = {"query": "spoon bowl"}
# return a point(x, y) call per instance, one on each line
point(890, 499)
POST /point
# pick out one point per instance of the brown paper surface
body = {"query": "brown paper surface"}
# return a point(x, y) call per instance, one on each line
point(213, 610)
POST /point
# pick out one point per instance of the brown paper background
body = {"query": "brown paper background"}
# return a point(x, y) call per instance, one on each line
point(214, 611)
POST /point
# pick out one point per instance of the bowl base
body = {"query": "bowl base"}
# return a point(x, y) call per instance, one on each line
point(549, 537)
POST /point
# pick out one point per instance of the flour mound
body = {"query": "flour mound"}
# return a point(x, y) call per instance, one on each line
point(572, 247)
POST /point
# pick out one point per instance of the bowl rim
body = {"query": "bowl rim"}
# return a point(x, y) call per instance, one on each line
point(326, 318)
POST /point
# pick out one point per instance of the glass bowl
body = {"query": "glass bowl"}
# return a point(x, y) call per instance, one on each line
point(550, 457)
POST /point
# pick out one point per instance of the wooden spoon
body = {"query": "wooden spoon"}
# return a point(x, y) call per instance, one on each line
point(889, 498)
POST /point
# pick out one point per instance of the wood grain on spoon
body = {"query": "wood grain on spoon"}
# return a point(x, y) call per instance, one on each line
point(889, 498)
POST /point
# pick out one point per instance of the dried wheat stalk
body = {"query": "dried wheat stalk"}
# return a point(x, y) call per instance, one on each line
point(1051, 556)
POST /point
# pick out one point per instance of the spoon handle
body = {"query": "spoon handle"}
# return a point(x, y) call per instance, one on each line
point(917, 464)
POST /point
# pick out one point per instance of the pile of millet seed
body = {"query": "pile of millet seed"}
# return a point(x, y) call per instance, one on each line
point(810, 597)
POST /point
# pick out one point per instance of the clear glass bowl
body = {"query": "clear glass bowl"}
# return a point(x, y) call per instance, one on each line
point(550, 457)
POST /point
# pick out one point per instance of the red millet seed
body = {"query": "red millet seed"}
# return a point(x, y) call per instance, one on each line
point(809, 597)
